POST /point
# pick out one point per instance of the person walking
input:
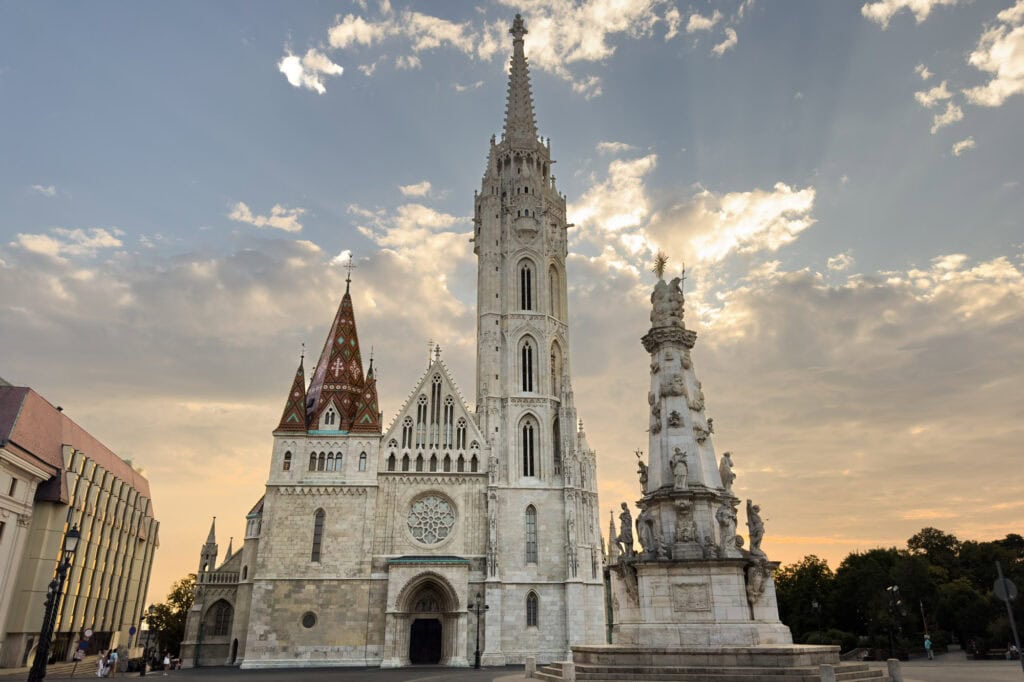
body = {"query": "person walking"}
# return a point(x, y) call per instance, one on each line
point(167, 661)
point(928, 648)
point(113, 663)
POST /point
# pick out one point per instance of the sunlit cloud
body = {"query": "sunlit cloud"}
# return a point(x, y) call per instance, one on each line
point(962, 146)
point(280, 217)
point(883, 11)
point(951, 115)
point(727, 44)
point(1000, 52)
point(309, 70)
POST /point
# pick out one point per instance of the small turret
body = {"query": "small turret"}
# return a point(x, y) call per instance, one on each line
point(208, 554)
point(294, 416)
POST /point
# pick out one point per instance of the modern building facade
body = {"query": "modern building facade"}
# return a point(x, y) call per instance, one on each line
point(372, 542)
point(54, 474)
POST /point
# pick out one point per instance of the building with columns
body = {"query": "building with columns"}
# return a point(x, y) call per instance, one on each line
point(372, 541)
point(55, 475)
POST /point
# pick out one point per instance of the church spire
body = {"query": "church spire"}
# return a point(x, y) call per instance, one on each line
point(338, 380)
point(211, 538)
point(520, 125)
point(294, 416)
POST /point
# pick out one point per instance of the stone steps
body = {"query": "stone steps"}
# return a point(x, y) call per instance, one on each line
point(845, 672)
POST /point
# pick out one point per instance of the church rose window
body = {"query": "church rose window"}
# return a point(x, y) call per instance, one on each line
point(431, 519)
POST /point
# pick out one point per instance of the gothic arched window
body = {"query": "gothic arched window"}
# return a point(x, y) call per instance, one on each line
point(531, 609)
point(391, 462)
point(556, 440)
point(287, 461)
point(460, 434)
point(527, 448)
point(407, 432)
point(405, 462)
point(531, 535)
point(449, 416)
point(435, 411)
point(362, 461)
point(526, 366)
point(321, 462)
point(554, 293)
point(318, 534)
point(474, 464)
point(433, 462)
point(447, 462)
point(330, 461)
point(421, 421)
point(460, 465)
point(220, 619)
point(556, 369)
point(312, 461)
point(526, 285)
point(419, 462)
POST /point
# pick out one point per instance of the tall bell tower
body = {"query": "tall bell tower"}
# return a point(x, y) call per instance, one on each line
point(544, 557)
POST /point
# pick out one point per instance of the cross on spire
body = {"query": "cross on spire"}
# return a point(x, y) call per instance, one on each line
point(350, 266)
point(437, 352)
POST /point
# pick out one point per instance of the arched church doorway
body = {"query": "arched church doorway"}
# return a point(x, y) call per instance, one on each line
point(425, 641)
point(427, 625)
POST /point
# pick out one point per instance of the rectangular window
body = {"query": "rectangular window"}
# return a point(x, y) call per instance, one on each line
point(14, 487)
point(318, 534)
point(531, 535)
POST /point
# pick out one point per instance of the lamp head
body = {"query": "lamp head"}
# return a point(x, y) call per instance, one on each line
point(71, 541)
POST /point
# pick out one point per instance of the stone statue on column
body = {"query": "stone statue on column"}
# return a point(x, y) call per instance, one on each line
point(680, 470)
point(755, 526)
point(725, 471)
point(625, 537)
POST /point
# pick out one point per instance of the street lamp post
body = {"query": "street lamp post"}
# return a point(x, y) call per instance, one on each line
point(52, 605)
point(478, 607)
point(895, 605)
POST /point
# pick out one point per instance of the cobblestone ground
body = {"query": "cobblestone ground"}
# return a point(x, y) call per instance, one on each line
point(961, 670)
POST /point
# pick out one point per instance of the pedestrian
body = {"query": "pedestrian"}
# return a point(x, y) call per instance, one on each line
point(167, 661)
point(101, 664)
point(928, 648)
point(113, 663)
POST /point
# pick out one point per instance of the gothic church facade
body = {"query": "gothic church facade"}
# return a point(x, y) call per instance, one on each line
point(371, 545)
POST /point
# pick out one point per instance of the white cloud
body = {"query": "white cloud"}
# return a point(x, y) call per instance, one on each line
point(922, 71)
point(727, 44)
point(45, 190)
point(367, 69)
point(353, 30)
point(309, 70)
point(962, 146)
point(951, 115)
point(1000, 52)
point(882, 11)
point(419, 189)
point(63, 243)
point(929, 98)
point(459, 87)
point(673, 19)
point(619, 201)
point(840, 262)
point(614, 147)
point(280, 217)
point(747, 222)
point(589, 87)
point(562, 33)
point(697, 22)
point(407, 62)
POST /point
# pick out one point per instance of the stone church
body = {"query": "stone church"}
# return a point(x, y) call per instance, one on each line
point(372, 543)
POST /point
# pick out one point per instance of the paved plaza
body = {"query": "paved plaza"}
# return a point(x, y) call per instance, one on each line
point(952, 669)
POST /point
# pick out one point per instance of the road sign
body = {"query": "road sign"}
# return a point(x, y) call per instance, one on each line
point(88, 633)
point(83, 645)
point(79, 655)
point(1005, 589)
point(132, 630)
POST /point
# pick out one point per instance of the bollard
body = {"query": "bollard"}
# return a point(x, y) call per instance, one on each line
point(568, 672)
point(828, 673)
point(895, 673)
point(531, 667)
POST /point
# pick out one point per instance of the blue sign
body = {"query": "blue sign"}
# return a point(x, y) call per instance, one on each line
point(132, 630)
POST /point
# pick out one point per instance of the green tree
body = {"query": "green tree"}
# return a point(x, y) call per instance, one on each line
point(964, 610)
point(167, 619)
point(940, 548)
point(804, 591)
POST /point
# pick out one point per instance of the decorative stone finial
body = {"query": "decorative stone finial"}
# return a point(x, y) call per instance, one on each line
point(518, 29)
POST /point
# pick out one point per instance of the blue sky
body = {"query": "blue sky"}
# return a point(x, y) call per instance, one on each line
point(180, 183)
